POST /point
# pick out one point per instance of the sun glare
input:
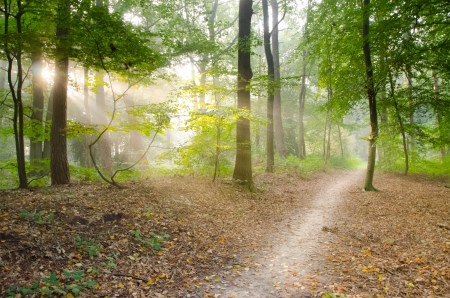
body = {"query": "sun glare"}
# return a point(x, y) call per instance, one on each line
point(47, 74)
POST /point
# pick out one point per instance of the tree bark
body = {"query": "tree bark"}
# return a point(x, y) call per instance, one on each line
point(270, 89)
point(277, 109)
point(37, 115)
point(59, 164)
point(243, 164)
point(16, 90)
point(371, 94)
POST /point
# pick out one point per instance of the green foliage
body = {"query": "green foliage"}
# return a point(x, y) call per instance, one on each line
point(83, 174)
point(88, 245)
point(333, 295)
point(39, 217)
point(316, 163)
point(111, 263)
point(73, 282)
point(154, 243)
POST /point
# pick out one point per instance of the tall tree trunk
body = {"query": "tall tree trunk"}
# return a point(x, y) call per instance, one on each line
point(277, 110)
point(136, 146)
point(384, 123)
point(301, 112)
point(100, 100)
point(438, 114)
point(243, 164)
point(270, 89)
point(302, 98)
point(340, 140)
point(16, 92)
point(87, 139)
point(400, 121)
point(3, 74)
point(48, 124)
point(412, 135)
point(102, 119)
point(37, 115)
point(59, 164)
point(371, 94)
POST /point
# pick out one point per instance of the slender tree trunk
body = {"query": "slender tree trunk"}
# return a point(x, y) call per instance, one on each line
point(48, 124)
point(330, 122)
point(371, 94)
point(438, 114)
point(37, 115)
point(3, 71)
point(277, 109)
point(400, 121)
point(384, 123)
point(301, 112)
point(102, 119)
point(340, 140)
point(136, 146)
point(59, 165)
point(412, 135)
point(243, 164)
point(16, 90)
point(100, 100)
point(87, 139)
point(270, 89)
point(302, 98)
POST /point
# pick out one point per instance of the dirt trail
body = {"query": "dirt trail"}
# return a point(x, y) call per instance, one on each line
point(292, 267)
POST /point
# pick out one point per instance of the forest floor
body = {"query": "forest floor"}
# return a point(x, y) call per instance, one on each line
point(319, 236)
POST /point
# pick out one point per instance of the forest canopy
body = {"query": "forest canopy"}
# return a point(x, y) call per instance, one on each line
point(122, 89)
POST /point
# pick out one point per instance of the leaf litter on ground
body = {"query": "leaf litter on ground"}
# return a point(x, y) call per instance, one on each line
point(388, 243)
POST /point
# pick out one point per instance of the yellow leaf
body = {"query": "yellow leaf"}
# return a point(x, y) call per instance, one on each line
point(4, 228)
point(120, 286)
point(70, 295)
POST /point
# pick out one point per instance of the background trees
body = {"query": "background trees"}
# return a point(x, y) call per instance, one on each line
point(133, 55)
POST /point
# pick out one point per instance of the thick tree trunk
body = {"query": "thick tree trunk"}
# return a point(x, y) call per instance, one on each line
point(371, 94)
point(243, 165)
point(59, 164)
point(277, 109)
point(270, 89)
point(37, 116)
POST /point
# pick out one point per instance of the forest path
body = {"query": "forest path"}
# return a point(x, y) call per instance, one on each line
point(292, 266)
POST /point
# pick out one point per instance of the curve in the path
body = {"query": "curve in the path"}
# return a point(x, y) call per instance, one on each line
point(293, 267)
